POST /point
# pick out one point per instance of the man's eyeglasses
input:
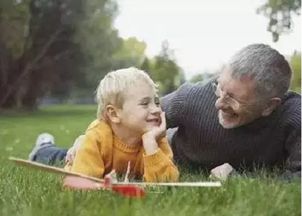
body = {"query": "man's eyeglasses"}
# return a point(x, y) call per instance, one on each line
point(225, 96)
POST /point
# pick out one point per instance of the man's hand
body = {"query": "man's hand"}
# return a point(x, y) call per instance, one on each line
point(222, 172)
point(151, 137)
point(73, 150)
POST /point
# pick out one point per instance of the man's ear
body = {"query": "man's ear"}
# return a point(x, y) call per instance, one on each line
point(271, 106)
point(112, 114)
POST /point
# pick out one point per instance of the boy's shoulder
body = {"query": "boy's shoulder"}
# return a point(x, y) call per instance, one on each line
point(99, 134)
point(99, 129)
point(98, 124)
point(94, 124)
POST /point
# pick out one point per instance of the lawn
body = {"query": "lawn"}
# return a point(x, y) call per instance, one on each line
point(29, 192)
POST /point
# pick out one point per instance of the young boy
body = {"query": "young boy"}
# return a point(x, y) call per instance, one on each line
point(130, 127)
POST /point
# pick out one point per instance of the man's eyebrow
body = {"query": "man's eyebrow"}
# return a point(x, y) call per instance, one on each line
point(232, 95)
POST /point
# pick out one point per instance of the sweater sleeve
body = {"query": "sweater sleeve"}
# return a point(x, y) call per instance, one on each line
point(293, 140)
point(88, 159)
point(293, 161)
point(173, 105)
point(159, 166)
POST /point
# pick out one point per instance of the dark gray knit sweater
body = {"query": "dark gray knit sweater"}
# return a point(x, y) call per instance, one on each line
point(201, 141)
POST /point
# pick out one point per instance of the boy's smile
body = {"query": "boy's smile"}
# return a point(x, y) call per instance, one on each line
point(155, 121)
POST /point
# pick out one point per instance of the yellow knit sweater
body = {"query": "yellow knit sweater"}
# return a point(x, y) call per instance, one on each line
point(101, 152)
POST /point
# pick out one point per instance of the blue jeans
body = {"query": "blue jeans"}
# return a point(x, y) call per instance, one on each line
point(51, 155)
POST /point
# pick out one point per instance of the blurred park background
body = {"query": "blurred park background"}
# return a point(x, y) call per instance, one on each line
point(56, 51)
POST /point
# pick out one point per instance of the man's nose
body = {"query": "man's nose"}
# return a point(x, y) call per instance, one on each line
point(221, 104)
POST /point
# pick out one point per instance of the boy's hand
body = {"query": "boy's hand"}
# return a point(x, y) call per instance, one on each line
point(70, 155)
point(158, 132)
point(150, 138)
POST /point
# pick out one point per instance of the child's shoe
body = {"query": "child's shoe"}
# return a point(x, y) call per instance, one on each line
point(43, 140)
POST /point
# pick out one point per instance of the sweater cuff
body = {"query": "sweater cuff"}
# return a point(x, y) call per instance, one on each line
point(154, 159)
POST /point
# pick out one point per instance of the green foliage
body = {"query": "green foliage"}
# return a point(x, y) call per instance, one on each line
point(98, 41)
point(41, 32)
point(131, 53)
point(14, 18)
point(279, 13)
point(295, 63)
point(203, 77)
point(164, 70)
point(197, 78)
point(24, 191)
point(53, 47)
point(63, 48)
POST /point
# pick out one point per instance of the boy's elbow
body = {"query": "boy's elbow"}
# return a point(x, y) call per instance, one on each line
point(174, 176)
point(78, 183)
point(171, 175)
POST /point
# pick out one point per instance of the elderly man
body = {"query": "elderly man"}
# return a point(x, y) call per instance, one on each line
point(246, 117)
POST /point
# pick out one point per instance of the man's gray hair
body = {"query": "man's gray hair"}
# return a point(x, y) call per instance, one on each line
point(266, 66)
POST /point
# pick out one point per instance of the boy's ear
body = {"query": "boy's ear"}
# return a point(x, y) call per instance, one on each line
point(271, 106)
point(112, 114)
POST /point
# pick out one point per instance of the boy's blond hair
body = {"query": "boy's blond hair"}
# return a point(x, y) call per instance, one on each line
point(113, 86)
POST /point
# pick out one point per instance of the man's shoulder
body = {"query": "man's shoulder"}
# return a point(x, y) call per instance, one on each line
point(291, 109)
point(193, 89)
point(292, 102)
point(291, 95)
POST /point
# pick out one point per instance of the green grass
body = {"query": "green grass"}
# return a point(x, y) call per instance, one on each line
point(30, 192)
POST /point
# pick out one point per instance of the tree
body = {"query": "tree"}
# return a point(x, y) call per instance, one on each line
point(196, 78)
point(280, 13)
point(146, 65)
point(295, 63)
point(98, 42)
point(51, 46)
point(130, 53)
point(165, 71)
point(204, 76)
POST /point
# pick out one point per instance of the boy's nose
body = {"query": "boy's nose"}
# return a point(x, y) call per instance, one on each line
point(155, 109)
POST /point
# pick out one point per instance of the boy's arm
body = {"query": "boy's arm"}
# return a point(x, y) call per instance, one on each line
point(88, 159)
point(159, 167)
point(70, 155)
